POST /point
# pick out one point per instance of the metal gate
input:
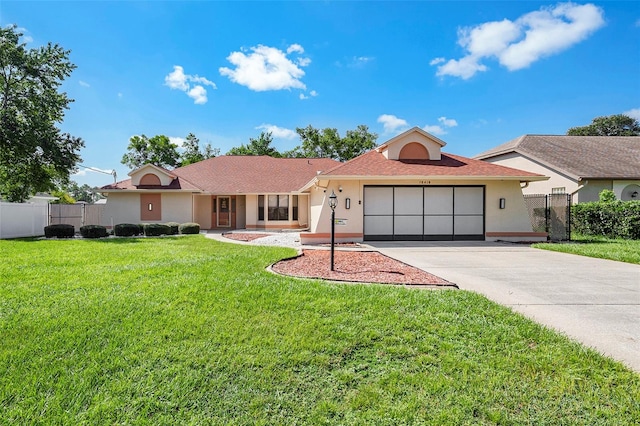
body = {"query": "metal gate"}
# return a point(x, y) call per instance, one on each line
point(551, 214)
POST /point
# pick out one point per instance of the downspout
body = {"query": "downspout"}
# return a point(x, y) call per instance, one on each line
point(586, 182)
point(526, 184)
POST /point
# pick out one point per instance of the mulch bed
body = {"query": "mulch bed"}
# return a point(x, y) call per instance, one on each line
point(356, 266)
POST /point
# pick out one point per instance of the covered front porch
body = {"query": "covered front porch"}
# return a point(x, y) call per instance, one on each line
point(251, 211)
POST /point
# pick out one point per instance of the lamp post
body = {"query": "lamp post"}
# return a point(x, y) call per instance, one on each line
point(333, 202)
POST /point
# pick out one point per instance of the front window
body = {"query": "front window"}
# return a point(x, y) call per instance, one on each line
point(560, 190)
point(260, 207)
point(278, 207)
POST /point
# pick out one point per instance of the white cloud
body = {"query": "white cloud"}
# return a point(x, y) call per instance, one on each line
point(517, 44)
point(267, 68)
point(448, 122)
point(312, 94)
point(440, 129)
point(360, 61)
point(84, 84)
point(177, 141)
point(391, 123)
point(633, 113)
point(278, 132)
point(434, 130)
point(181, 81)
point(198, 94)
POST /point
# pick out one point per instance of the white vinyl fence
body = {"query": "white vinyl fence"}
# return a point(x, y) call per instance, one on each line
point(22, 220)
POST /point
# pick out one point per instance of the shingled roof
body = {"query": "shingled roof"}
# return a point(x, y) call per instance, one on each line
point(243, 174)
point(375, 164)
point(581, 157)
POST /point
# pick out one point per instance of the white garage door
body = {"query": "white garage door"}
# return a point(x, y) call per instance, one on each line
point(423, 213)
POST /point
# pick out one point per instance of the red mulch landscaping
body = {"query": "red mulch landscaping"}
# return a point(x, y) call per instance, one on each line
point(356, 266)
point(242, 236)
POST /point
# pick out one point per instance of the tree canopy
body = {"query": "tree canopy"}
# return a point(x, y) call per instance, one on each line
point(193, 154)
point(260, 146)
point(327, 143)
point(612, 125)
point(158, 150)
point(34, 154)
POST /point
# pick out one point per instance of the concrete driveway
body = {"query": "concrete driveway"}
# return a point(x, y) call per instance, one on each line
point(594, 301)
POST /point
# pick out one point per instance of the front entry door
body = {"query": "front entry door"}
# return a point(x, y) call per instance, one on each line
point(224, 212)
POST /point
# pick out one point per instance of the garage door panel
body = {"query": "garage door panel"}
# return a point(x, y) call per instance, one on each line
point(438, 225)
point(469, 225)
point(378, 225)
point(438, 200)
point(468, 200)
point(378, 200)
point(407, 200)
point(407, 225)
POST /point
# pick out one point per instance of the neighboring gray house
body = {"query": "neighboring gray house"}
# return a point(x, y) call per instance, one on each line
point(578, 165)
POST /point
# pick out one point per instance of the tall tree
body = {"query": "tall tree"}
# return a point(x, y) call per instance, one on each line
point(327, 143)
point(193, 154)
point(34, 154)
point(158, 150)
point(612, 125)
point(260, 146)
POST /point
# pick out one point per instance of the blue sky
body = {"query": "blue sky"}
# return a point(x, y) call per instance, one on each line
point(476, 74)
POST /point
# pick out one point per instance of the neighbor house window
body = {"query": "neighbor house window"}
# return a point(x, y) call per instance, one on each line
point(278, 207)
point(260, 207)
point(559, 190)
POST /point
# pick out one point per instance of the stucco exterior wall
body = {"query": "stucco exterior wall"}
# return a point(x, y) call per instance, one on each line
point(203, 208)
point(125, 208)
point(591, 190)
point(510, 223)
point(556, 179)
point(121, 208)
point(393, 151)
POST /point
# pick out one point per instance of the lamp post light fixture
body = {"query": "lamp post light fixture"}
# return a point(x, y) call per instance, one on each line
point(333, 202)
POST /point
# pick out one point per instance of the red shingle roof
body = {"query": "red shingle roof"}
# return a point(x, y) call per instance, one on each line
point(244, 174)
point(374, 163)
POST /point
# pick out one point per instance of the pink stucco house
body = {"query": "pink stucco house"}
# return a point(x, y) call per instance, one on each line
point(405, 189)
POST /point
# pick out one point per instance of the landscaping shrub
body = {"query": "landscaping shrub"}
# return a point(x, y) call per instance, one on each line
point(190, 228)
point(61, 230)
point(127, 229)
point(93, 231)
point(174, 228)
point(156, 229)
point(607, 217)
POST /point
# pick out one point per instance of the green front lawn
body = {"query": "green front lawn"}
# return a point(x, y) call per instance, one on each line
point(601, 247)
point(187, 330)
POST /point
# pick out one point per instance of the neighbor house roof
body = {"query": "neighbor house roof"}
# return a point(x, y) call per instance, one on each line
point(581, 157)
point(244, 174)
point(374, 164)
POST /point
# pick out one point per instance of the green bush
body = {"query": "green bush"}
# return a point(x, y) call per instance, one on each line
point(127, 229)
point(174, 228)
point(93, 231)
point(156, 229)
point(190, 228)
point(60, 230)
point(612, 219)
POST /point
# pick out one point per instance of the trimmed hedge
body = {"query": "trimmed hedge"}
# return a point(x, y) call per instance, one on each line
point(156, 229)
point(127, 230)
point(60, 230)
point(93, 231)
point(174, 228)
point(190, 228)
point(612, 219)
